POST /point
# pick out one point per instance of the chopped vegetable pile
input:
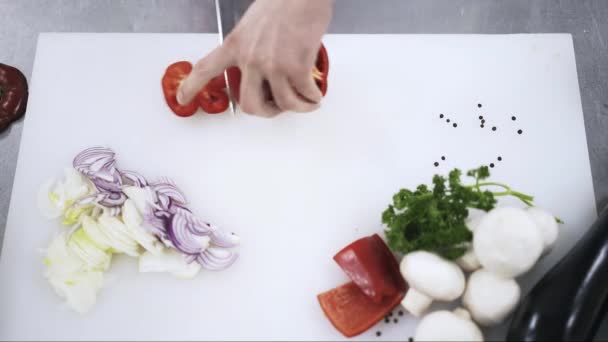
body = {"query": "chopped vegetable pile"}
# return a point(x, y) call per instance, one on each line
point(434, 219)
point(110, 211)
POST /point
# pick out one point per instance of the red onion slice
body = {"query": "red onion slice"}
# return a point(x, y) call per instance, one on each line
point(190, 258)
point(155, 225)
point(215, 259)
point(113, 199)
point(91, 156)
point(133, 178)
point(95, 198)
point(180, 235)
point(168, 188)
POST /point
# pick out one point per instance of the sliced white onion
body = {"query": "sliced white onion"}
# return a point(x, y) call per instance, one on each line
point(133, 221)
point(170, 261)
point(118, 235)
point(92, 256)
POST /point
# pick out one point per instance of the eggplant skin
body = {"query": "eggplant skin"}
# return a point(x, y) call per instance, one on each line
point(569, 302)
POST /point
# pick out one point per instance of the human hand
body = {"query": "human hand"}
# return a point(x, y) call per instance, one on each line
point(275, 45)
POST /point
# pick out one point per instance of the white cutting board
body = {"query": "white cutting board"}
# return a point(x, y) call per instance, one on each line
point(296, 188)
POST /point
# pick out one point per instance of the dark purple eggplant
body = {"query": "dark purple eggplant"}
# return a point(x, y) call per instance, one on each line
point(569, 302)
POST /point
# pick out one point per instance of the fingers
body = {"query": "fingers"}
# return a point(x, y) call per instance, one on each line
point(304, 84)
point(253, 99)
point(204, 70)
point(286, 98)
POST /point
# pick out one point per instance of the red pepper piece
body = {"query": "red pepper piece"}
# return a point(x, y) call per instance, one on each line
point(352, 312)
point(234, 80)
point(13, 95)
point(213, 101)
point(322, 69)
point(372, 266)
point(174, 75)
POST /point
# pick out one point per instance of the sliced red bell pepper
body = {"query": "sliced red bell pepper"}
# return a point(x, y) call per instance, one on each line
point(352, 312)
point(376, 287)
point(321, 71)
point(213, 101)
point(212, 98)
point(173, 77)
point(13, 95)
point(373, 267)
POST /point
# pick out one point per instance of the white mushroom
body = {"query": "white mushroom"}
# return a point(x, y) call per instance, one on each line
point(490, 298)
point(469, 262)
point(507, 242)
point(448, 326)
point(430, 277)
point(546, 224)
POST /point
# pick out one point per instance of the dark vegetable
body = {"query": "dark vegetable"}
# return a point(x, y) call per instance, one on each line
point(570, 300)
point(13, 95)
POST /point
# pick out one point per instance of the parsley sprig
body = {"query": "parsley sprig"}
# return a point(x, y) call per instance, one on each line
point(434, 219)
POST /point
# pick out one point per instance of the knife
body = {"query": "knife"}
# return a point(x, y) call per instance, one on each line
point(227, 16)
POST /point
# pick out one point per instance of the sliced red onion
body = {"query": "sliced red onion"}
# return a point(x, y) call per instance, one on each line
point(162, 214)
point(155, 225)
point(133, 178)
point(225, 240)
point(190, 258)
point(180, 235)
point(91, 156)
point(216, 259)
point(94, 198)
point(163, 201)
point(167, 188)
point(219, 238)
point(113, 199)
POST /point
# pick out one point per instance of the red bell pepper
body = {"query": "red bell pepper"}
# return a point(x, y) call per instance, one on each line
point(174, 75)
point(352, 312)
point(372, 266)
point(376, 287)
point(13, 95)
point(212, 98)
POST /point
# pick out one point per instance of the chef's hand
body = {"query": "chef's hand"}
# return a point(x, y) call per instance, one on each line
point(275, 45)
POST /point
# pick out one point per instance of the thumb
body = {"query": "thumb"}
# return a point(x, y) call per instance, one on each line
point(204, 70)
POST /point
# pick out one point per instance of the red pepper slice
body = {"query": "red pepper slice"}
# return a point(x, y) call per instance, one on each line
point(352, 312)
point(234, 80)
point(173, 77)
point(13, 95)
point(213, 101)
point(322, 69)
point(373, 267)
point(217, 83)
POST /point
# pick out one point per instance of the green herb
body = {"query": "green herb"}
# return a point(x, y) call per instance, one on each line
point(434, 219)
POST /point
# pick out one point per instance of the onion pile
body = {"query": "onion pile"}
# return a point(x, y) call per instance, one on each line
point(165, 211)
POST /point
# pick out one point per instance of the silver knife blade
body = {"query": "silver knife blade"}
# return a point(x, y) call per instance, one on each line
point(220, 28)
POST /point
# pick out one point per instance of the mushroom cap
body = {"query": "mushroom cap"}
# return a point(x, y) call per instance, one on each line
point(447, 326)
point(489, 297)
point(507, 242)
point(433, 276)
point(546, 224)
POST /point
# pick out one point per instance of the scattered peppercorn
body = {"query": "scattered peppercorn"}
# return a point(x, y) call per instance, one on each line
point(491, 164)
point(378, 333)
point(441, 116)
point(513, 118)
point(386, 320)
point(411, 339)
point(436, 164)
point(442, 158)
point(396, 320)
point(479, 105)
point(520, 131)
point(499, 158)
point(480, 117)
point(483, 121)
point(448, 120)
point(455, 125)
point(494, 128)
point(400, 312)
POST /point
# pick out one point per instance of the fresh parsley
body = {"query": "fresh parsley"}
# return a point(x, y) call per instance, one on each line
point(433, 219)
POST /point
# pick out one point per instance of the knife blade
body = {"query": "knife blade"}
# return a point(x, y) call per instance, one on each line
point(220, 13)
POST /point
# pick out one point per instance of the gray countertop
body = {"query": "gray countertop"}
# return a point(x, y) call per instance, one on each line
point(586, 20)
